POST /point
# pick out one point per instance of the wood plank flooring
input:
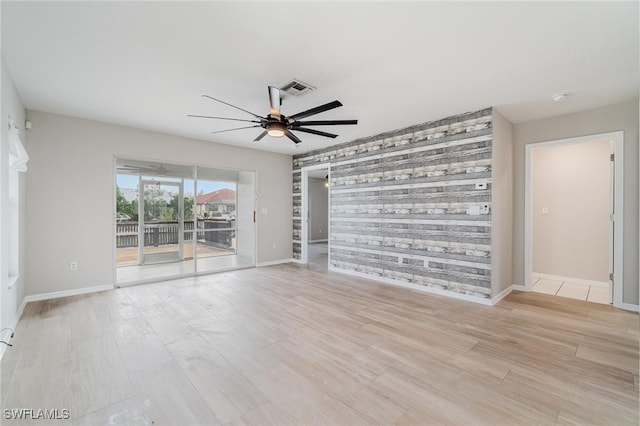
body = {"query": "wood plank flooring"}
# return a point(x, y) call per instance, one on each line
point(288, 345)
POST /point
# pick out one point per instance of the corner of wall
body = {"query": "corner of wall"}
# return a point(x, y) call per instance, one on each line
point(11, 298)
point(501, 205)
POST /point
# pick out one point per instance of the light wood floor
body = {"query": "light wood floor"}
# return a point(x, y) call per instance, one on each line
point(290, 344)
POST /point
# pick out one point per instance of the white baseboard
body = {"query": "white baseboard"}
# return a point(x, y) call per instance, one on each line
point(425, 289)
point(66, 293)
point(629, 307)
point(504, 293)
point(23, 305)
point(275, 262)
point(582, 281)
point(520, 287)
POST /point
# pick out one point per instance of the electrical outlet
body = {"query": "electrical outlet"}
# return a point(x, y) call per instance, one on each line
point(73, 266)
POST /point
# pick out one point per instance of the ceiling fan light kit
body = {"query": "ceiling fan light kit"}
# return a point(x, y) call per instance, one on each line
point(277, 125)
point(276, 130)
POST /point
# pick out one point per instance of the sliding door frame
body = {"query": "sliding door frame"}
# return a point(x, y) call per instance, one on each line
point(195, 272)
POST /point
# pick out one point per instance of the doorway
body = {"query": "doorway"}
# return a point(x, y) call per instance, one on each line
point(573, 218)
point(316, 213)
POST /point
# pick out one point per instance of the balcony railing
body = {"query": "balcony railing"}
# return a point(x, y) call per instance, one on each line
point(215, 232)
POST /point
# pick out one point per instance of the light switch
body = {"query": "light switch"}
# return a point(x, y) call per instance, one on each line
point(545, 210)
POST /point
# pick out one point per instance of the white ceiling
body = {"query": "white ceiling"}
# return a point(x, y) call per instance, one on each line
point(392, 64)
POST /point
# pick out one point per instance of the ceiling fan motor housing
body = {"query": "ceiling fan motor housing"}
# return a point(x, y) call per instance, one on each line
point(276, 128)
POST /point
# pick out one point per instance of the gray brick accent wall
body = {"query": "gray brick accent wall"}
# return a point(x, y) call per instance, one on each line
point(404, 204)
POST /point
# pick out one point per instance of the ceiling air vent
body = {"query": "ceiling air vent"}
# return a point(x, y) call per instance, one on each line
point(297, 88)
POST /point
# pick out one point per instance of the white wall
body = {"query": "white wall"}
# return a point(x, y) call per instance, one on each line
point(71, 187)
point(572, 182)
point(318, 209)
point(10, 298)
point(602, 120)
point(501, 204)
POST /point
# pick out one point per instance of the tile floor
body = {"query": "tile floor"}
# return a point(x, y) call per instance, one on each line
point(589, 293)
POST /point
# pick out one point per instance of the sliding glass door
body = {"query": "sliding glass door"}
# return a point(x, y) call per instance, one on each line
point(160, 225)
point(177, 220)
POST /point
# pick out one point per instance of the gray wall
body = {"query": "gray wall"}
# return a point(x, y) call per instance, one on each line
point(318, 210)
point(70, 201)
point(602, 120)
point(401, 204)
point(10, 298)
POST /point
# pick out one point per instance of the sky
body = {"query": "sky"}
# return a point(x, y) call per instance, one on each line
point(130, 181)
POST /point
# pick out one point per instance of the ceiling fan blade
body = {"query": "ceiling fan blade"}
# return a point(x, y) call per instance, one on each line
point(139, 171)
point(237, 128)
point(315, 132)
point(153, 170)
point(323, 123)
point(274, 101)
point(127, 167)
point(223, 118)
point(291, 136)
point(316, 110)
point(260, 136)
point(233, 106)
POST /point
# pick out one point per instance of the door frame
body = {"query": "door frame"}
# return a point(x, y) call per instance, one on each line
point(617, 139)
point(304, 214)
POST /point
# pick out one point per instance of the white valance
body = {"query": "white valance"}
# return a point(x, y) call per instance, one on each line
point(18, 157)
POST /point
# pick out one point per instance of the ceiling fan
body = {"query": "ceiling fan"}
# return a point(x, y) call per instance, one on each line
point(277, 125)
point(152, 170)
